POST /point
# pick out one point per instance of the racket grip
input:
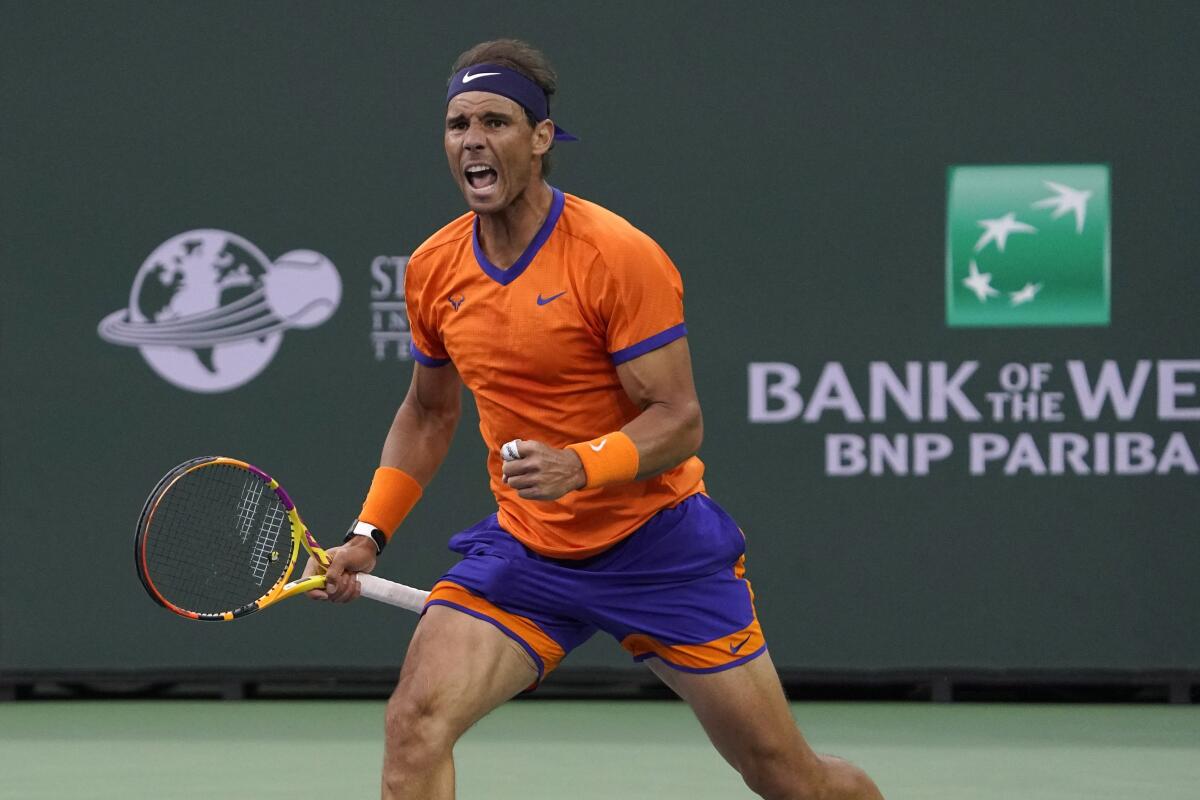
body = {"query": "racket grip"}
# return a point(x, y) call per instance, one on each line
point(394, 594)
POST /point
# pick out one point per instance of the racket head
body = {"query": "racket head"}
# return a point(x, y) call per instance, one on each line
point(218, 539)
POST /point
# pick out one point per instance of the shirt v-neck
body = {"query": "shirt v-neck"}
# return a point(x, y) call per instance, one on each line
point(507, 276)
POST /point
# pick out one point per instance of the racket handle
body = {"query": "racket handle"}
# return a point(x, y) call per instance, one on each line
point(394, 594)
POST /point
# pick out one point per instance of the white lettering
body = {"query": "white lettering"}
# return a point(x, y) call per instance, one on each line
point(985, 447)
point(1109, 388)
point(387, 275)
point(1170, 390)
point(906, 395)
point(1177, 453)
point(944, 393)
point(1052, 407)
point(833, 392)
point(382, 281)
point(1102, 453)
point(1024, 455)
point(1135, 453)
point(762, 391)
point(1069, 448)
point(997, 400)
point(844, 455)
point(1024, 407)
point(893, 452)
point(927, 448)
point(1039, 373)
point(1014, 377)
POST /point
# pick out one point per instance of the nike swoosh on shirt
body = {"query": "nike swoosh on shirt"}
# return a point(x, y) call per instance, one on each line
point(734, 648)
point(467, 78)
point(599, 447)
point(541, 301)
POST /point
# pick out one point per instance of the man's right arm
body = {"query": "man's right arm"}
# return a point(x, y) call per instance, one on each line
point(416, 443)
point(424, 425)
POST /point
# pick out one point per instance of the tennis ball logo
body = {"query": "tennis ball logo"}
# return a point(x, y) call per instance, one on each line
point(208, 310)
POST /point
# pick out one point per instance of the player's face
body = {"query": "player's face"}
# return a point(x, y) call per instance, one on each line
point(493, 151)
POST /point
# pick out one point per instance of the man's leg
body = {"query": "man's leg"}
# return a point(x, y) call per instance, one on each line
point(458, 668)
point(746, 716)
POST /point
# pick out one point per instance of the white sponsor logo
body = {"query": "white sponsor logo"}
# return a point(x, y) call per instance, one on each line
point(1105, 401)
point(207, 309)
point(599, 447)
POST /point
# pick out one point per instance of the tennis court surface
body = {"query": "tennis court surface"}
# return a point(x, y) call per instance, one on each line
point(589, 750)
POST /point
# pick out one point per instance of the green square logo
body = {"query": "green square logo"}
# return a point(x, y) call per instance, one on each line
point(1027, 245)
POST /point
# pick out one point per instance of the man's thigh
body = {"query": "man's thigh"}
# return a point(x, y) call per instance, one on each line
point(744, 712)
point(458, 668)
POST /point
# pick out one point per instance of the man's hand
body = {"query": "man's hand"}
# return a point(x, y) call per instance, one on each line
point(345, 561)
point(544, 473)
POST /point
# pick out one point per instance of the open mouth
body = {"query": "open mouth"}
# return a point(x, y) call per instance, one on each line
point(480, 176)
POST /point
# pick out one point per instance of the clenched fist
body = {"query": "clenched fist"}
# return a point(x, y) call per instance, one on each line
point(541, 472)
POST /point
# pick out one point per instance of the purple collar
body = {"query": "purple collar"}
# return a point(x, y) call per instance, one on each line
point(507, 276)
point(507, 83)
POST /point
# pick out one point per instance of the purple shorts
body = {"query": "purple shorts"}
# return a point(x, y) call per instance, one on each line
point(675, 590)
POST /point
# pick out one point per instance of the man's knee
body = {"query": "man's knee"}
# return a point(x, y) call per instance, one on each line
point(846, 780)
point(419, 735)
point(772, 773)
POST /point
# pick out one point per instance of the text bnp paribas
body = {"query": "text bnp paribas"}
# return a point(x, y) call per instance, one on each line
point(1033, 418)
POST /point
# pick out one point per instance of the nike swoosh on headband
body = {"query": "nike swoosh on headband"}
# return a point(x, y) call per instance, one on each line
point(469, 77)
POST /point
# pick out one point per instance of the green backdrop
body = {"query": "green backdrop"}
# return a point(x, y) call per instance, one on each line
point(791, 157)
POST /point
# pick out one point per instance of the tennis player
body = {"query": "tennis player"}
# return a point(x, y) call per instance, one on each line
point(566, 323)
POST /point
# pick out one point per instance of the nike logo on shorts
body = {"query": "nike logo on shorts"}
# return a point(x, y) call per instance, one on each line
point(734, 648)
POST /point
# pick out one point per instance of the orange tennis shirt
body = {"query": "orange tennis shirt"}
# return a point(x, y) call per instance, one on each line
point(538, 345)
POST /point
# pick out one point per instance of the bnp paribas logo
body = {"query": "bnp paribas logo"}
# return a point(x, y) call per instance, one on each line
point(1027, 245)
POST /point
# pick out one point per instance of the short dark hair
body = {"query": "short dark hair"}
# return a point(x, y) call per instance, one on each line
point(521, 57)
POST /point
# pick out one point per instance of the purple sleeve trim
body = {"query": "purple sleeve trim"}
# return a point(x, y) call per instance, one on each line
point(705, 670)
point(646, 345)
point(541, 667)
point(428, 361)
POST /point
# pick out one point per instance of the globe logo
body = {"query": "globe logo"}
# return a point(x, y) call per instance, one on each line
point(208, 310)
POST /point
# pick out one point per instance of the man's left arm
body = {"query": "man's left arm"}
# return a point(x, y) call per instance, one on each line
point(668, 430)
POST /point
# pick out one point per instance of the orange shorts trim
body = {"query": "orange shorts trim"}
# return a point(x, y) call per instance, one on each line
point(715, 656)
point(545, 652)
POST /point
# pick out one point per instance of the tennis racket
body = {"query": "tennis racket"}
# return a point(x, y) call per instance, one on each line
point(218, 539)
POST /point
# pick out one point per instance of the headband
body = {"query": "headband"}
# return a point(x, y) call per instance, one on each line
point(508, 83)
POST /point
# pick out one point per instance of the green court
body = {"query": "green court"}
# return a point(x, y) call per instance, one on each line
point(589, 750)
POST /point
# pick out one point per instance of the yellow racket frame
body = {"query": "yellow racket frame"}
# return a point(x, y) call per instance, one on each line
point(282, 589)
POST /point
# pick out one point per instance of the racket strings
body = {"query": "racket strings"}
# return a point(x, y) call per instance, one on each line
point(265, 544)
point(212, 544)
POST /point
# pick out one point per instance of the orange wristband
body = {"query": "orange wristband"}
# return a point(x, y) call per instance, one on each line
point(392, 495)
point(608, 459)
